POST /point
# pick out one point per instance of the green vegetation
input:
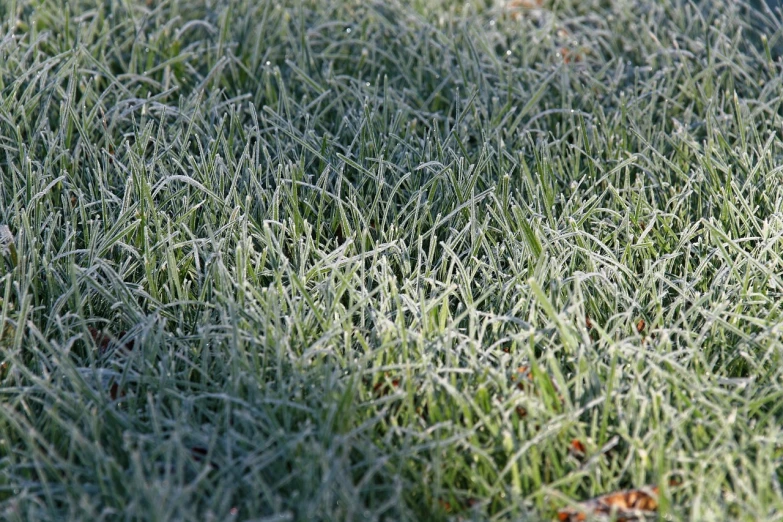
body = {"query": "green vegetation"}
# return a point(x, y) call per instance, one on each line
point(285, 261)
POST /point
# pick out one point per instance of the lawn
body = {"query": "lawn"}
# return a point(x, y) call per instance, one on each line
point(390, 260)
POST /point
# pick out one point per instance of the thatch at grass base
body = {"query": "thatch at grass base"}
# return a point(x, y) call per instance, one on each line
point(356, 260)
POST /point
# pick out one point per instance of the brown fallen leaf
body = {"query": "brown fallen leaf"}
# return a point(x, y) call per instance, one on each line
point(517, 8)
point(525, 383)
point(525, 372)
point(627, 506)
point(103, 340)
point(115, 392)
point(386, 385)
point(568, 56)
point(573, 54)
point(640, 324)
point(525, 376)
point(524, 4)
point(577, 449)
point(445, 505)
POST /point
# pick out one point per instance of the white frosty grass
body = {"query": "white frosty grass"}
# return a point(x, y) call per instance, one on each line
point(283, 261)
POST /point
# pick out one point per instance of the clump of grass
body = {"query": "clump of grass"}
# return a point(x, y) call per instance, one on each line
point(388, 261)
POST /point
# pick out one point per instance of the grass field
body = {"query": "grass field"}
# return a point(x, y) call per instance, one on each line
point(381, 260)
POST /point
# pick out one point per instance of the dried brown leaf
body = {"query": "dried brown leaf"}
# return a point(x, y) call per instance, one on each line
point(386, 385)
point(104, 340)
point(518, 8)
point(628, 506)
point(577, 449)
point(640, 325)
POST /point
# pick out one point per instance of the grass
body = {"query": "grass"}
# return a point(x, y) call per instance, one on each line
point(285, 260)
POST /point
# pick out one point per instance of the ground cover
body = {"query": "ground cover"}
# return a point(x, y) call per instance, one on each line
point(367, 260)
